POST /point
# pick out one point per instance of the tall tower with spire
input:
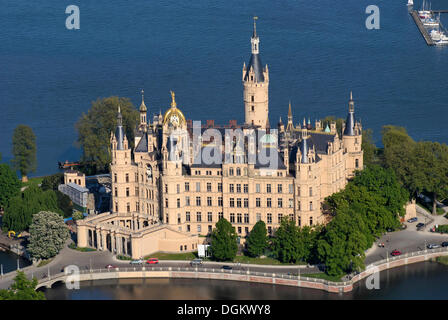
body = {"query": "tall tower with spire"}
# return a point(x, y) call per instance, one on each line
point(256, 86)
point(143, 112)
point(352, 140)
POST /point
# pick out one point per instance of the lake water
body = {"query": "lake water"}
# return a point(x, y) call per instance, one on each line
point(9, 261)
point(317, 51)
point(427, 280)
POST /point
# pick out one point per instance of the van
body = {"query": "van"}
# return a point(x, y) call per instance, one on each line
point(196, 262)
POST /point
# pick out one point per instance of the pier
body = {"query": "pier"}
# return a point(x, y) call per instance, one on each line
point(422, 28)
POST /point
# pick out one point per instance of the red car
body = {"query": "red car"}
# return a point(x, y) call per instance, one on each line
point(152, 261)
point(395, 253)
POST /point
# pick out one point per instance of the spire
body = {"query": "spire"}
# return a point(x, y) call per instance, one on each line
point(143, 106)
point(255, 61)
point(350, 122)
point(119, 132)
point(289, 110)
point(173, 100)
point(254, 35)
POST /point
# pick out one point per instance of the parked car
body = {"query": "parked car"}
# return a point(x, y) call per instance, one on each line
point(138, 261)
point(152, 261)
point(196, 262)
point(227, 267)
point(420, 226)
point(445, 244)
point(412, 220)
point(395, 253)
point(433, 246)
point(109, 266)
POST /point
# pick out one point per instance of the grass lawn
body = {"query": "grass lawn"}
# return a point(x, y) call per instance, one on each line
point(44, 262)
point(263, 261)
point(74, 247)
point(33, 181)
point(443, 260)
point(323, 276)
point(173, 256)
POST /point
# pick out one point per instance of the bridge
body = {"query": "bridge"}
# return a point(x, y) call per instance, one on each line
point(246, 275)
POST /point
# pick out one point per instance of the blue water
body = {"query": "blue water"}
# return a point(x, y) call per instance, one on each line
point(317, 51)
point(8, 260)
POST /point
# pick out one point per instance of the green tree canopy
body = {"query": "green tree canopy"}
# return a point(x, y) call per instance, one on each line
point(223, 241)
point(24, 150)
point(48, 234)
point(286, 246)
point(9, 185)
point(52, 182)
point(20, 210)
point(95, 127)
point(257, 241)
point(22, 289)
point(368, 147)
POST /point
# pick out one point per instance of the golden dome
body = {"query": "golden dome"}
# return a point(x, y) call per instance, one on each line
point(173, 114)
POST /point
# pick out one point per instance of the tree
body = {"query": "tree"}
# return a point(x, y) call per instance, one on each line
point(9, 185)
point(95, 127)
point(431, 159)
point(52, 182)
point(48, 234)
point(21, 208)
point(22, 289)
point(368, 147)
point(223, 241)
point(24, 151)
point(286, 245)
point(257, 240)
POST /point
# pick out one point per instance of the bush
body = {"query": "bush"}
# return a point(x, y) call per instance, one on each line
point(442, 229)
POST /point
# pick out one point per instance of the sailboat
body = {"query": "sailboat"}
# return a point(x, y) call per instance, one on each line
point(410, 2)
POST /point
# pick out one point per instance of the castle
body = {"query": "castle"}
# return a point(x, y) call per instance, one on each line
point(183, 176)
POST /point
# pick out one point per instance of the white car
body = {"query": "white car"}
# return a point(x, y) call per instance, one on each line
point(433, 246)
point(138, 261)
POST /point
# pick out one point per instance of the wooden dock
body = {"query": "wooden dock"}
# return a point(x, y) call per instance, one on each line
point(422, 28)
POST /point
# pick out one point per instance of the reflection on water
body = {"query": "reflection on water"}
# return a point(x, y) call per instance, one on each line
point(418, 281)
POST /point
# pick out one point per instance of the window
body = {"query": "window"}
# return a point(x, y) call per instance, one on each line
point(246, 188)
point(239, 218)
point(231, 172)
point(231, 188)
point(199, 228)
point(232, 202)
point(128, 207)
point(136, 177)
point(187, 216)
point(188, 228)
point(219, 187)
point(280, 188)
point(291, 188)
point(178, 188)
point(280, 202)
point(291, 203)
point(116, 206)
point(115, 177)
point(209, 216)
point(220, 201)
point(178, 202)
point(178, 218)
point(356, 163)
point(311, 205)
point(257, 188)
point(258, 217)
point(209, 187)
point(268, 188)
point(187, 186)
point(198, 186)
point(270, 230)
point(280, 216)
point(198, 217)
point(239, 229)
point(209, 201)
point(311, 191)
point(198, 201)
point(269, 203)
point(298, 191)
point(238, 188)
point(220, 215)
point(298, 205)
point(246, 203)
point(246, 218)
point(232, 218)
point(238, 171)
point(127, 192)
point(299, 221)
point(127, 177)
point(209, 228)
point(166, 188)
point(116, 192)
point(187, 201)
point(246, 230)
point(269, 217)
point(252, 98)
point(166, 203)
point(311, 221)
point(238, 202)
point(137, 206)
point(136, 191)
point(258, 202)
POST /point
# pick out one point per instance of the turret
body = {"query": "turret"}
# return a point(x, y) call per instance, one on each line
point(256, 85)
point(143, 111)
point(352, 140)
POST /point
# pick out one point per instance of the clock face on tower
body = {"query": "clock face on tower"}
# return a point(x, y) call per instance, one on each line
point(174, 119)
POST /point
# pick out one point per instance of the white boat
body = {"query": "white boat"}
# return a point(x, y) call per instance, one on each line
point(430, 22)
point(438, 35)
point(441, 42)
point(410, 2)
